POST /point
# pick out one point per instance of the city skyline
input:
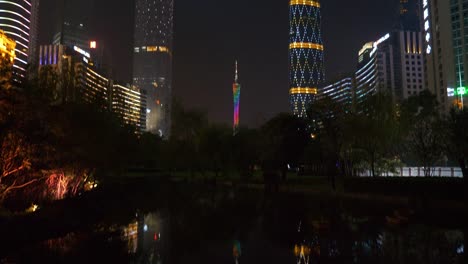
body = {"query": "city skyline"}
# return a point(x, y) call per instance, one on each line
point(203, 67)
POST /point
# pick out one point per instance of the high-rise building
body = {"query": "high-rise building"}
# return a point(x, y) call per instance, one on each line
point(236, 89)
point(341, 91)
point(152, 61)
point(306, 54)
point(74, 24)
point(393, 64)
point(445, 25)
point(78, 79)
point(409, 16)
point(130, 104)
point(18, 19)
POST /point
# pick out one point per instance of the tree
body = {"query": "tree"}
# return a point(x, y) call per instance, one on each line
point(457, 138)
point(284, 139)
point(424, 129)
point(216, 147)
point(376, 129)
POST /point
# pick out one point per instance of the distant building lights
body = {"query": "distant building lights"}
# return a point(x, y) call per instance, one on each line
point(82, 52)
point(93, 45)
point(427, 26)
point(382, 39)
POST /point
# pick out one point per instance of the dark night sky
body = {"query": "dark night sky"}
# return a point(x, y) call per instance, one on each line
point(210, 34)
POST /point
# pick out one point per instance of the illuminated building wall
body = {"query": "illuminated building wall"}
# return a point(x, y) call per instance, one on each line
point(306, 57)
point(443, 29)
point(394, 64)
point(82, 81)
point(18, 19)
point(7, 48)
point(152, 56)
point(236, 89)
point(340, 91)
point(130, 104)
point(91, 85)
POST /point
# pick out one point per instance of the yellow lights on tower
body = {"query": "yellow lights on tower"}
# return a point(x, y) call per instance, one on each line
point(163, 49)
point(305, 90)
point(305, 45)
point(305, 2)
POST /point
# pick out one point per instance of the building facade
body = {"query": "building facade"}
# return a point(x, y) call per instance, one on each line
point(152, 61)
point(74, 23)
point(77, 80)
point(76, 77)
point(129, 103)
point(394, 64)
point(409, 16)
point(18, 19)
point(306, 54)
point(445, 29)
point(341, 91)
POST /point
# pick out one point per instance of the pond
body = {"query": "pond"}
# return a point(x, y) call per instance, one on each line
point(202, 224)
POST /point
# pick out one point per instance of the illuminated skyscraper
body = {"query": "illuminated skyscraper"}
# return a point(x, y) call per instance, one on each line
point(236, 89)
point(18, 19)
point(306, 54)
point(152, 60)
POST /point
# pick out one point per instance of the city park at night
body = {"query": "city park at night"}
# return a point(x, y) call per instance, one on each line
point(172, 132)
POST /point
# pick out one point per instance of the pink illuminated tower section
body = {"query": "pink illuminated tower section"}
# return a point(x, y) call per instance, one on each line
point(236, 87)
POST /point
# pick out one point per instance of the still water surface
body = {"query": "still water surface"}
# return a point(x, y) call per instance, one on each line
point(245, 226)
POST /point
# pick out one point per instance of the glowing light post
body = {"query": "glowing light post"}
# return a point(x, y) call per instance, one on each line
point(460, 90)
point(236, 87)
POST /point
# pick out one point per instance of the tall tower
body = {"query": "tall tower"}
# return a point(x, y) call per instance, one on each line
point(306, 58)
point(236, 89)
point(18, 19)
point(152, 61)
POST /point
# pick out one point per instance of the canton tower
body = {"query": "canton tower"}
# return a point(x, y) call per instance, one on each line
point(152, 61)
point(236, 88)
point(306, 58)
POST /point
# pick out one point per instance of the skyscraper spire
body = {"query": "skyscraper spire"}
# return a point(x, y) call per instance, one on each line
point(236, 79)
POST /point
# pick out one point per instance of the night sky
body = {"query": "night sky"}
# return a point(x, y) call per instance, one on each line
point(211, 34)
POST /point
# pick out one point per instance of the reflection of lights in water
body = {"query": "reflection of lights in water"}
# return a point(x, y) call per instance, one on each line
point(130, 234)
point(32, 209)
point(461, 249)
point(302, 253)
point(380, 238)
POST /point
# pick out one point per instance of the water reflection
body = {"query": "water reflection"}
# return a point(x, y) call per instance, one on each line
point(231, 228)
point(143, 237)
point(362, 240)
